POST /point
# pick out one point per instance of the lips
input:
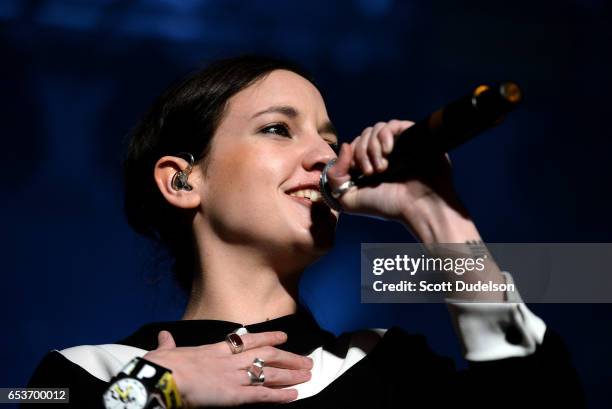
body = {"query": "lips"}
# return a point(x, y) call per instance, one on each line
point(309, 196)
point(306, 192)
point(302, 200)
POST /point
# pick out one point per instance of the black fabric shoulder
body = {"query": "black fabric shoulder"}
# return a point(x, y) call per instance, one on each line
point(56, 371)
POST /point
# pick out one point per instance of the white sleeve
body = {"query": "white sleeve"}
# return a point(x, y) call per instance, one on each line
point(490, 331)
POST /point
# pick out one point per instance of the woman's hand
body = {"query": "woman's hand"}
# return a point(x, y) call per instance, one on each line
point(210, 375)
point(426, 202)
point(425, 199)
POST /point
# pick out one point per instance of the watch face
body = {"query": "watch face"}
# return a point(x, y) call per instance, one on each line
point(126, 393)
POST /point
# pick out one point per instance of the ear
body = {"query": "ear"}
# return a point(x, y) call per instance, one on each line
point(165, 169)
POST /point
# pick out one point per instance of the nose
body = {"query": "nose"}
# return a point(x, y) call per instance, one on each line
point(317, 154)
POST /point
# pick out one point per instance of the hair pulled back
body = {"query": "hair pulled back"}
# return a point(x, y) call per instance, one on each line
point(183, 119)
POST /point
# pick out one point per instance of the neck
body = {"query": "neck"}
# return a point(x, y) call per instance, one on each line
point(235, 283)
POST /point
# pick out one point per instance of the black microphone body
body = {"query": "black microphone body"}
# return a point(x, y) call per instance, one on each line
point(444, 130)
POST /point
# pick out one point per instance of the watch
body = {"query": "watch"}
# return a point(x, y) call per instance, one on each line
point(142, 384)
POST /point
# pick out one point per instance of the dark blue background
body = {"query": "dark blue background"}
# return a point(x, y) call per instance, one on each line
point(75, 77)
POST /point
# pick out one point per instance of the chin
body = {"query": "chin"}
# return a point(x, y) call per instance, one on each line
point(316, 240)
point(314, 234)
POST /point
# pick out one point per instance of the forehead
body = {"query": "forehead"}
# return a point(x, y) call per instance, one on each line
point(279, 87)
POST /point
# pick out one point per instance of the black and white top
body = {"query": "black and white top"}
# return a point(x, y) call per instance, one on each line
point(514, 361)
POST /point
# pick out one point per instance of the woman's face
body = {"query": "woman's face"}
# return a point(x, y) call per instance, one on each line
point(270, 147)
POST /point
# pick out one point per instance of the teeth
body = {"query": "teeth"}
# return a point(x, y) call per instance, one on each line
point(311, 194)
point(315, 196)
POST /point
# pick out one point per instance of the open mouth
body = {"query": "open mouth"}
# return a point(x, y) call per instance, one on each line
point(310, 195)
point(307, 194)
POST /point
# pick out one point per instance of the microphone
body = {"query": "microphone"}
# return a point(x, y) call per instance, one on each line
point(441, 131)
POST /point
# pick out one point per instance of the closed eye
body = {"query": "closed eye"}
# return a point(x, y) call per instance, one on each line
point(335, 146)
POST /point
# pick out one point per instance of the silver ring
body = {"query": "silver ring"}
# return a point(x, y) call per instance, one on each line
point(235, 342)
point(336, 193)
point(325, 188)
point(256, 373)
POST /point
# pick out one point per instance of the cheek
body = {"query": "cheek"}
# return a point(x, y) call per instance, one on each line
point(243, 187)
point(250, 170)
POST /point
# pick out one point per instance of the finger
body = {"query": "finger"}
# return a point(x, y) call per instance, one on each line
point(265, 394)
point(273, 357)
point(393, 130)
point(386, 141)
point(259, 339)
point(338, 173)
point(386, 137)
point(353, 144)
point(375, 149)
point(286, 377)
point(254, 340)
point(278, 377)
point(165, 340)
point(361, 153)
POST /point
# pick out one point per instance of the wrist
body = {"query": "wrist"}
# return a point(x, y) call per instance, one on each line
point(433, 220)
point(145, 384)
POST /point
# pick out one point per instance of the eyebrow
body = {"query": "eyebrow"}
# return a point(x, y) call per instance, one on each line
point(291, 112)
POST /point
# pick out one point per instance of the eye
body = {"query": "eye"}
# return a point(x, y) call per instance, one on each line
point(336, 147)
point(279, 129)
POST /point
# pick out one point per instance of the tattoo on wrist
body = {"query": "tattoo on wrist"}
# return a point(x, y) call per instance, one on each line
point(477, 248)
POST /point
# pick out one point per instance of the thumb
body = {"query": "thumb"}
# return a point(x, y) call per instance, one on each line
point(165, 340)
point(338, 173)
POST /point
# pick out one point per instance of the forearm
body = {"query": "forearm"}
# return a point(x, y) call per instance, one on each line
point(490, 329)
point(433, 222)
